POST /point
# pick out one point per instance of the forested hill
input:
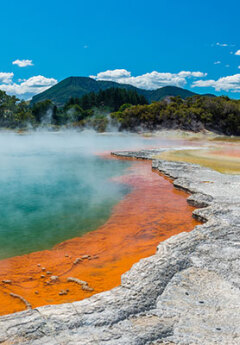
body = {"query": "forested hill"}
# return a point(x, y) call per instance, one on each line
point(60, 93)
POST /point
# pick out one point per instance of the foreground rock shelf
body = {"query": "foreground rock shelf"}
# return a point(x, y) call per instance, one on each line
point(187, 293)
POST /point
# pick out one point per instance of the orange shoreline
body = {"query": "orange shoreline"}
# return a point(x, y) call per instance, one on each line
point(152, 212)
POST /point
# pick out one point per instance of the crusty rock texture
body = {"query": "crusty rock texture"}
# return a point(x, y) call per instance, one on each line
point(187, 293)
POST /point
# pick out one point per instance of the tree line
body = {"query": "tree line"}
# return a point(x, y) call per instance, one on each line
point(89, 110)
point(220, 114)
point(111, 98)
point(128, 111)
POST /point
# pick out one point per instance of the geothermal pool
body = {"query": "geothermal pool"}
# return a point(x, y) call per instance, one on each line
point(63, 197)
point(52, 189)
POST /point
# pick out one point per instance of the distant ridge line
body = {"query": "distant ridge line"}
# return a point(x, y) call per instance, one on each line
point(60, 93)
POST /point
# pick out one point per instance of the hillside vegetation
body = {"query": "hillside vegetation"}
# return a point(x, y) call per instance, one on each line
point(112, 98)
point(220, 114)
point(125, 110)
point(14, 113)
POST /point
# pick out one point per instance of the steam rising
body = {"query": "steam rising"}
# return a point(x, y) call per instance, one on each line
point(54, 186)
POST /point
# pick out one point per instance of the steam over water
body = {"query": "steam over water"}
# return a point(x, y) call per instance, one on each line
point(54, 187)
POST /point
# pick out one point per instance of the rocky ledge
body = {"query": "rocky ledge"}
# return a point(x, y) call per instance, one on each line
point(187, 293)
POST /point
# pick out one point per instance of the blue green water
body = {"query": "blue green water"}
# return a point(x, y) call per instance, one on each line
point(54, 187)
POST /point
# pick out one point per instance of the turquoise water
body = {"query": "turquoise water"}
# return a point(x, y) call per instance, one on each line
point(54, 186)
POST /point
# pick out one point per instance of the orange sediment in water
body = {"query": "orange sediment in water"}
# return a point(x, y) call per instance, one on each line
point(153, 211)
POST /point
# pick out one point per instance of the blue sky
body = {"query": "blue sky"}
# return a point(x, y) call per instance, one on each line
point(146, 43)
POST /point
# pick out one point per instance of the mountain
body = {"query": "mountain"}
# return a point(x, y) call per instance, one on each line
point(60, 93)
point(157, 95)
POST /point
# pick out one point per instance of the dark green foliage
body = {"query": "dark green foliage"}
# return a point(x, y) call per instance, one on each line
point(112, 99)
point(44, 111)
point(14, 113)
point(98, 123)
point(76, 87)
point(168, 91)
point(124, 106)
point(219, 114)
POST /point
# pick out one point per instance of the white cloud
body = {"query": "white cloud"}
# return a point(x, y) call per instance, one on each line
point(237, 52)
point(22, 63)
point(186, 74)
point(29, 86)
point(112, 75)
point(239, 67)
point(219, 44)
point(149, 81)
point(222, 44)
point(6, 78)
point(217, 62)
point(228, 83)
